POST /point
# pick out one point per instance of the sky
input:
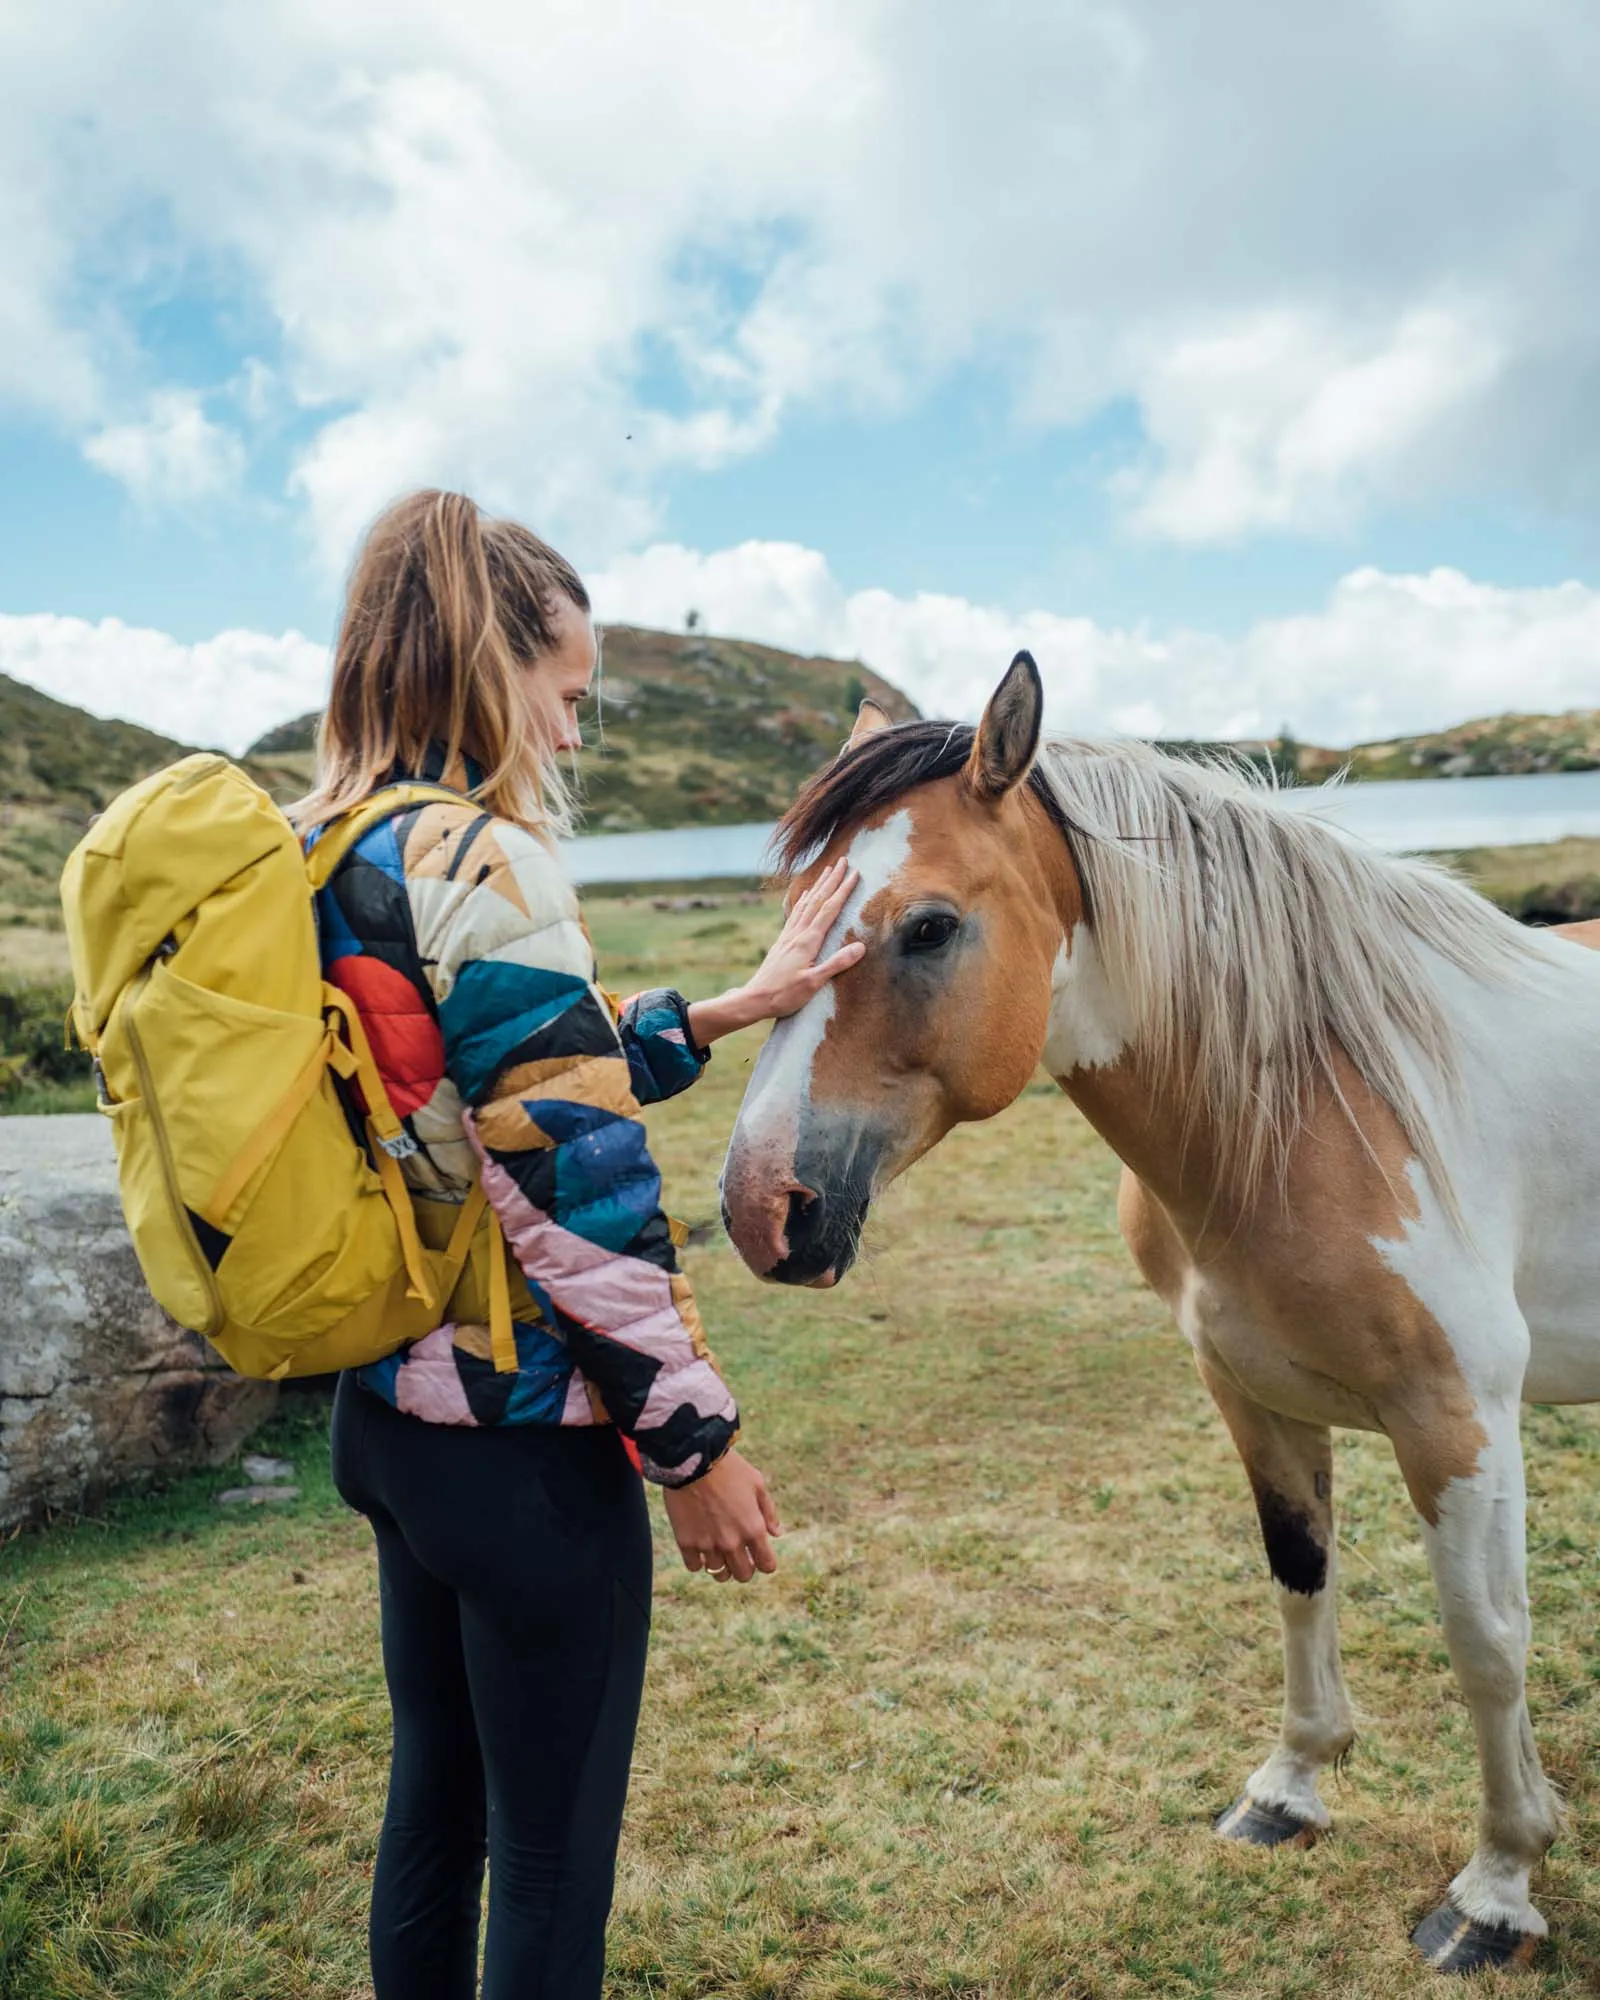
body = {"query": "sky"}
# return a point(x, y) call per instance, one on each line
point(1243, 361)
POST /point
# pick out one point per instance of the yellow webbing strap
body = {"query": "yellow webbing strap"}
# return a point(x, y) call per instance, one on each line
point(268, 1135)
point(502, 1335)
point(459, 1247)
point(341, 834)
point(502, 1332)
point(352, 1056)
point(380, 1112)
point(405, 1216)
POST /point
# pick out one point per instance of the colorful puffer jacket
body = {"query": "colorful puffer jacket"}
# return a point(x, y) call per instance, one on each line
point(459, 938)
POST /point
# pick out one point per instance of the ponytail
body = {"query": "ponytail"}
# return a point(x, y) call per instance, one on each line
point(445, 606)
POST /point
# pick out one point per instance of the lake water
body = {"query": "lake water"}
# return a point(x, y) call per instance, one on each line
point(1429, 813)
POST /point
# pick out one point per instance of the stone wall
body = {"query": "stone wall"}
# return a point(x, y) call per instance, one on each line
point(98, 1388)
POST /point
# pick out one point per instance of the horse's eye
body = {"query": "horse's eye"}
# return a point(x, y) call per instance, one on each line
point(931, 933)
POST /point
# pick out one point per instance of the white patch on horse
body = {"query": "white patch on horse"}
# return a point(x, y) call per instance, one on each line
point(1476, 1549)
point(780, 1086)
point(878, 853)
point(1089, 1028)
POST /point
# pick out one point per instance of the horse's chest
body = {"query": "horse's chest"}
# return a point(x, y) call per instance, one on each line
point(1239, 1335)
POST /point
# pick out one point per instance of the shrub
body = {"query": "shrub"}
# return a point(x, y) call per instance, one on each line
point(33, 1050)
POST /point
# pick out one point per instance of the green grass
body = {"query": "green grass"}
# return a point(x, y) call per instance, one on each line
point(1555, 881)
point(966, 1743)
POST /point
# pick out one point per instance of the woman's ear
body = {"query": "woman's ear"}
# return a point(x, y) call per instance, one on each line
point(1003, 749)
point(870, 718)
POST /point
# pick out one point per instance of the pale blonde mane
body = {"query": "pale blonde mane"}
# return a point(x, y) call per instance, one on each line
point(1249, 942)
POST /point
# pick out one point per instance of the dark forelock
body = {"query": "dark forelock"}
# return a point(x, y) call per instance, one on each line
point(866, 779)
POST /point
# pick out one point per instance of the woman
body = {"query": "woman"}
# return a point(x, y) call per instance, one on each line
point(513, 1538)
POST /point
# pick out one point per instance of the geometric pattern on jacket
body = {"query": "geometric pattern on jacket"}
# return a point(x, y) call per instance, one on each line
point(459, 938)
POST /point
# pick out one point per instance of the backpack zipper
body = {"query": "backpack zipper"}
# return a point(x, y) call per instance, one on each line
point(169, 1172)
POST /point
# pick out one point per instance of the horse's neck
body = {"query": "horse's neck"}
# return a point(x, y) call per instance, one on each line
point(1091, 1049)
point(1150, 1130)
point(1154, 1120)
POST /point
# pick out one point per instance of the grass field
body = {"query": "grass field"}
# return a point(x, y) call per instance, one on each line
point(967, 1743)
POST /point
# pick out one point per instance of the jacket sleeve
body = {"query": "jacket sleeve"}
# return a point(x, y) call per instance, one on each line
point(663, 1057)
point(550, 1108)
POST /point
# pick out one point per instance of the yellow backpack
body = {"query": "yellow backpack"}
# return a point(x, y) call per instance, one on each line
point(258, 1218)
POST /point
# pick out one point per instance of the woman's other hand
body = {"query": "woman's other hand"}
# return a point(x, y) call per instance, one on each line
point(724, 1521)
point(791, 972)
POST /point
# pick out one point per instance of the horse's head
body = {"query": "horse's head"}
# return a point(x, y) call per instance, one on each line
point(966, 892)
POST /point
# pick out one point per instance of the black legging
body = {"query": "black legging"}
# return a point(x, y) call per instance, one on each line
point(514, 1581)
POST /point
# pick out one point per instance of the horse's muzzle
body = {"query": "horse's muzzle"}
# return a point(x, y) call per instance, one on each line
point(800, 1222)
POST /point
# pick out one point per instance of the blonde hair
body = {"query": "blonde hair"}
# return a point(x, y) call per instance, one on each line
point(444, 607)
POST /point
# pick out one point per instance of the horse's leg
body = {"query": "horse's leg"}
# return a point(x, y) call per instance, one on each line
point(1476, 1541)
point(1290, 1466)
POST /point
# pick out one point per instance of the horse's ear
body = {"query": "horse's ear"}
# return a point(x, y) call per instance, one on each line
point(870, 718)
point(1003, 749)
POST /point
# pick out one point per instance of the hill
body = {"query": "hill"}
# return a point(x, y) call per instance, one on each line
point(56, 755)
point(691, 730)
point(695, 731)
point(1491, 746)
point(59, 766)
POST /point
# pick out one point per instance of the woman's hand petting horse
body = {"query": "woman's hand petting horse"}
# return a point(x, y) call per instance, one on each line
point(724, 1519)
point(791, 972)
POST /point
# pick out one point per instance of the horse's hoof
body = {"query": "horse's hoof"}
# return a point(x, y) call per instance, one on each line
point(1451, 1942)
point(1264, 1826)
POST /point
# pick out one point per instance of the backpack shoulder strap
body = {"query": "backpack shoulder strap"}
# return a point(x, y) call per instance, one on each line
point(341, 834)
point(389, 1135)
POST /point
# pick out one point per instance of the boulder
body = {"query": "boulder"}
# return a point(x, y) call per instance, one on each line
point(98, 1388)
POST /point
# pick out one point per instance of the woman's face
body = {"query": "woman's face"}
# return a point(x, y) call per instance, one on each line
point(555, 683)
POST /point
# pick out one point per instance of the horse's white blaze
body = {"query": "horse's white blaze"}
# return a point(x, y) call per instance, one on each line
point(878, 853)
point(1089, 1026)
point(768, 1128)
point(780, 1084)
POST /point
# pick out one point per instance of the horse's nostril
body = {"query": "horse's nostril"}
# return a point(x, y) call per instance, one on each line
point(804, 1213)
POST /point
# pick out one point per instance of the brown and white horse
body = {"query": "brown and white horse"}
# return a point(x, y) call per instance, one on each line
point(1359, 1116)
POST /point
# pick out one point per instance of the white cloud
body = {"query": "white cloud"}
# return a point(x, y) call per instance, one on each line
point(174, 457)
point(1337, 256)
point(225, 691)
point(1385, 654)
point(1279, 423)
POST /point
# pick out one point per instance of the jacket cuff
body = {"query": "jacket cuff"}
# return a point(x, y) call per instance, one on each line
point(662, 1051)
point(673, 1476)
